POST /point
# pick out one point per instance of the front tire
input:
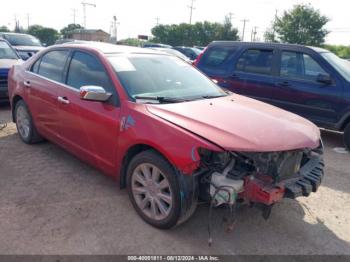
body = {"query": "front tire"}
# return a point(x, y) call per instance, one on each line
point(154, 189)
point(25, 125)
point(347, 136)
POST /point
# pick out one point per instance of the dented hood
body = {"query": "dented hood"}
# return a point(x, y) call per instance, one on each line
point(241, 124)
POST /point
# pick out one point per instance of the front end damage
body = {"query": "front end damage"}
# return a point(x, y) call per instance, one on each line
point(259, 178)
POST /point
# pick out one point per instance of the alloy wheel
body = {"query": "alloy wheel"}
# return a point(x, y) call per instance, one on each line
point(23, 121)
point(151, 191)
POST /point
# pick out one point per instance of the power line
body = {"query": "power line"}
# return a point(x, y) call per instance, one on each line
point(191, 7)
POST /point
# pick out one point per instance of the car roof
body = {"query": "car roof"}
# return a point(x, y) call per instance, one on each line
point(10, 33)
point(107, 48)
point(265, 44)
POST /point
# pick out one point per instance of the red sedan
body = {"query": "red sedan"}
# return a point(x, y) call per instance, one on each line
point(163, 130)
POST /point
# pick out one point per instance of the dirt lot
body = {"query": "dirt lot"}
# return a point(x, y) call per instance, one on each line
point(52, 203)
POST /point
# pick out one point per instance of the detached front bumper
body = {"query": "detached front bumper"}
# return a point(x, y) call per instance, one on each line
point(308, 179)
point(260, 189)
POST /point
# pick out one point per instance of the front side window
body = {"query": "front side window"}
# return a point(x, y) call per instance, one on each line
point(256, 61)
point(52, 65)
point(86, 70)
point(300, 66)
point(162, 76)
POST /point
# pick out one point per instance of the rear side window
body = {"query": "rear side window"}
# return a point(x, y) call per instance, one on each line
point(52, 65)
point(256, 61)
point(85, 70)
point(216, 58)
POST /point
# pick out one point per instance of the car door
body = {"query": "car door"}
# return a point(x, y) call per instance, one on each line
point(253, 74)
point(308, 97)
point(89, 129)
point(41, 83)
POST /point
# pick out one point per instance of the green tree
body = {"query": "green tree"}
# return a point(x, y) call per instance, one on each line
point(130, 42)
point(201, 33)
point(46, 35)
point(301, 25)
point(340, 50)
point(4, 29)
point(65, 31)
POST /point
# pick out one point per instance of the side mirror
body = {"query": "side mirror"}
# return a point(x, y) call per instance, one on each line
point(94, 93)
point(324, 79)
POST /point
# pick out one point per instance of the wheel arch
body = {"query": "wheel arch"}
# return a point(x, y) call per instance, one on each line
point(130, 153)
point(15, 100)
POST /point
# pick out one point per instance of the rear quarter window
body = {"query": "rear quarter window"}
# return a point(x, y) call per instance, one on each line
point(216, 59)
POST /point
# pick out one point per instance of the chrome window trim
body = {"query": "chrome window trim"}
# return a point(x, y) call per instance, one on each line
point(53, 81)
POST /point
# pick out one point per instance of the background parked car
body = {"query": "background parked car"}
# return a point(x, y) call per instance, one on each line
point(174, 52)
point(8, 58)
point(156, 45)
point(191, 52)
point(309, 81)
point(25, 45)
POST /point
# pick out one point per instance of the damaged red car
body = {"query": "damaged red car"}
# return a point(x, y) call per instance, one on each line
point(164, 130)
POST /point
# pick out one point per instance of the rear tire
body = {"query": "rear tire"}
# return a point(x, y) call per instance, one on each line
point(154, 189)
point(347, 136)
point(25, 125)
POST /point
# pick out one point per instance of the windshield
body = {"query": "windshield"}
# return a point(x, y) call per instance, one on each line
point(341, 65)
point(162, 76)
point(6, 52)
point(26, 40)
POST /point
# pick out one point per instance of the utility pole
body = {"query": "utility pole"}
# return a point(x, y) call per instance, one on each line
point(28, 21)
point(230, 15)
point(84, 10)
point(157, 20)
point(74, 15)
point(254, 33)
point(115, 25)
point(191, 7)
point(244, 22)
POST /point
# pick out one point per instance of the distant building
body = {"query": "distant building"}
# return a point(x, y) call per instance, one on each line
point(90, 35)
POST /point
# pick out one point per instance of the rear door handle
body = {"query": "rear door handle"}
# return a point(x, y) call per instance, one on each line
point(63, 100)
point(26, 83)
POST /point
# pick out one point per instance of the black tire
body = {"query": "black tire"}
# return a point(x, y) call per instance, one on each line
point(347, 136)
point(33, 136)
point(167, 170)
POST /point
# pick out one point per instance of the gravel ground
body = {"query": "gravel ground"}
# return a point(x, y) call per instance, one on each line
point(52, 203)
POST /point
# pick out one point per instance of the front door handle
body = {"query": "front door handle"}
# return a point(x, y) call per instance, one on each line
point(26, 83)
point(63, 100)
